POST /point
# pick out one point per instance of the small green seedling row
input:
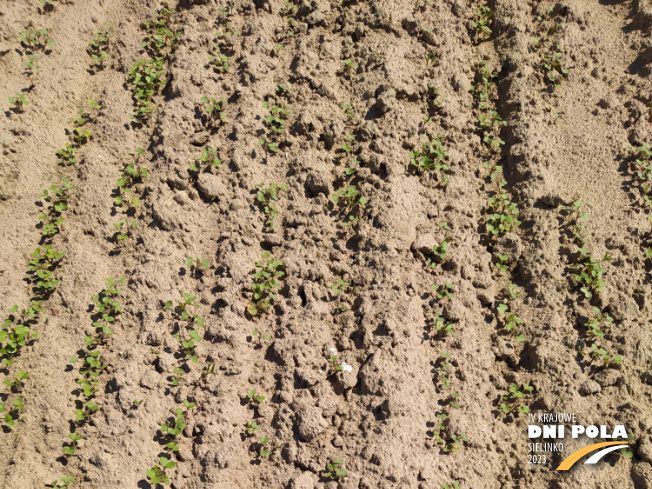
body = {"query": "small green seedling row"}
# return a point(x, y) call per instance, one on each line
point(36, 39)
point(133, 174)
point(161, 39)
point(56, 202)
point(265, 282)
point(431, 160)
point(186, 323)
point(514, 400)
point(99, 46)
point(275, 124)
point(502, 213)
point(148, 78)
point(266, 198)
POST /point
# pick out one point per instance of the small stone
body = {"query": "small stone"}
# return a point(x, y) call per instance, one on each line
point(424, 243)
point(589, 387)
point(309, 422)
point(150, 380)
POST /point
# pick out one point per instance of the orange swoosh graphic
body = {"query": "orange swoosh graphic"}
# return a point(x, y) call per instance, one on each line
point(575, 456)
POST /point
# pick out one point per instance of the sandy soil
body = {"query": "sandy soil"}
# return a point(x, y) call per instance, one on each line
point(354, 89)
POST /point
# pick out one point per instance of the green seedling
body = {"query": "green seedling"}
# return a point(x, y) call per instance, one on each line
point(161, 39)
point(512, 402)
point(513, 291)
point(340, 286)
point(491, 119)
point(251, 428)
point(431, 58)
point(590, 273)
point(593, 325)
point(446, 290)
point(29, 65)
point(177, 376)
point(265, 282)
point(431, 158)
point(224, 39)
point(439, 252)
point(220, 62)
point(147, 78)
point(265, 198)
point(43, 263)
point(195, 265)
point(80, 136)
point(125, 226)
point(182, 311)
point(16, 333)
point(67, 155)
point(206, 161)
point(256, 334)
point(189, 342)
point(452, 485)
point(99, 46)
point(349, 199)
point(504, 217)
point(552, 65)
point(36, 39)
point(350, 65)
point(442, 325)
point(275, 122)
point(136, 404)
point(349, 112)
point(452, 443)
point(642, 170)
point(503, 262)
point(215, 108)
point(482, 22)
point(62, 483)
point(443, 374)
point(277, 118)
point(175, 427)
point(16, 383)
point(133, 174)
point(510, 321)
point(254, 398)
point(264, 451)
point(157, 473)
point(12, 414)
point(84, 117)
point(57, 198)
point(19, 101)
point(69, 448)
point(335, 470)
point(108, 307)
point(599, 353)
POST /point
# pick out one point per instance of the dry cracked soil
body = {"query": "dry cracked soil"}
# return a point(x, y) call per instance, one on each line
point(322, 243)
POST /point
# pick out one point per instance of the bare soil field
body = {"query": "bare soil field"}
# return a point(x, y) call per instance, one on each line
point(323, 244)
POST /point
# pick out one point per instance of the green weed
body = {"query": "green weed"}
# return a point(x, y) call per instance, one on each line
point(452, 485)
point(70, 447)
point(552, 65)
point(132, 174)
point(12, 413)
point(251, 428)
point(594, 324)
